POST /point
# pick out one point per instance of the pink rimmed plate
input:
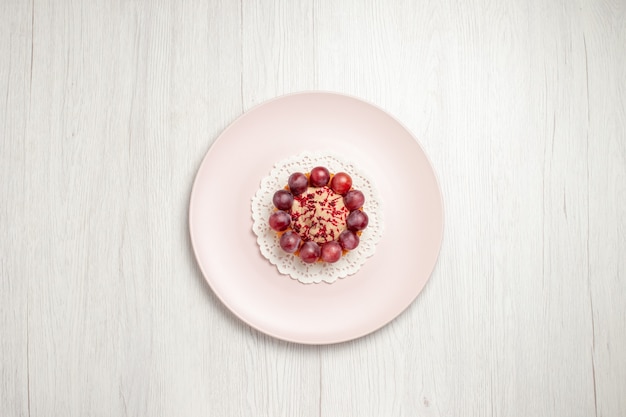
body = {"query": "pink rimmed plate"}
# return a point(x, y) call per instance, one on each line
point(221, 224)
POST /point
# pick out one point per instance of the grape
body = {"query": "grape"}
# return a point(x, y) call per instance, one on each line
point(348, 240)
point(331, 252)
point(290, 242)
point(341, 183)
point(319, 177)
point(310, 252)
point(280, 220)
point(357, 220)
point(298, 183)
point(283, 199)
point(353, 200)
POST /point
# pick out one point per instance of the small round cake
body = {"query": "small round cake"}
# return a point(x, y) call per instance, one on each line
point(318, 215)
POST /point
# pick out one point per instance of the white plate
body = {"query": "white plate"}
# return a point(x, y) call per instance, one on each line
point(221, 224)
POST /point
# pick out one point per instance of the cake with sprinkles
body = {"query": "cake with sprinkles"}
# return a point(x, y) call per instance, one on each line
point(318, 215)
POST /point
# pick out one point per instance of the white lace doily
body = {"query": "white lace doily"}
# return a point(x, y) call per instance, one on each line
point(268, 240)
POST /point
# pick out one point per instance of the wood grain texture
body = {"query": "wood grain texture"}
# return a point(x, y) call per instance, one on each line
point(15, 250)
point(107, 109)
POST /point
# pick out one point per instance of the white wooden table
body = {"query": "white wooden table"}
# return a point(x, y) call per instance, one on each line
point(107, 108)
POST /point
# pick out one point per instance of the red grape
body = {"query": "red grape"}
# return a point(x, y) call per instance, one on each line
point(290, 242)
point(282, 199)
point(357, 220)
point(341, 183)
point(348, 240)
point(280, 220)
point(331, 251)
point(298, 183)
point(353, 200)
point(310, 252)
point(319, 177)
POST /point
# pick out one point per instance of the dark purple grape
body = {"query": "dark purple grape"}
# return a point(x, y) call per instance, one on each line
point(357, 220)
point(353, 200)
point(348, 240)
point(331, 252)
point(319, 177)
point(310, 252)
point(298, 183)
point(283, 200)
point(280, 220)
point(290, 242)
